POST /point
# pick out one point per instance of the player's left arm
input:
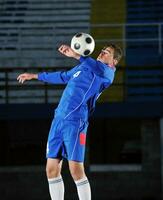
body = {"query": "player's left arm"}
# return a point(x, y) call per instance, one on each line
point(68, 51)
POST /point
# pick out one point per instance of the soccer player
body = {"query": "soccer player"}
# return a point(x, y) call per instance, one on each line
point(67, 136)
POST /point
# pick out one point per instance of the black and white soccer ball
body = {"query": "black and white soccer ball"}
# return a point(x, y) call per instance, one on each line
point(83, 44)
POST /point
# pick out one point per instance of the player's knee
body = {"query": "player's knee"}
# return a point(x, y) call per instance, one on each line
point(52, 171)
point(77, 172)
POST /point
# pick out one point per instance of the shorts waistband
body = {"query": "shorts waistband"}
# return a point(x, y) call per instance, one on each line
point(70, 117)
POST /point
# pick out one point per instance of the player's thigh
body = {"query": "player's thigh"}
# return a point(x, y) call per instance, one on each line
point(74, 136)
point(53, 167)
point(76, 169)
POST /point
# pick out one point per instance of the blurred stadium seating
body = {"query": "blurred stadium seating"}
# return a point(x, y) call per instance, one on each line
point(31, 30)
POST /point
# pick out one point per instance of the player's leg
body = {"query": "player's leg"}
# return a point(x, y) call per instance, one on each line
point(53, 168)
point(78, 174)
point(53, 172)
point(74, 134)
point(54, 163)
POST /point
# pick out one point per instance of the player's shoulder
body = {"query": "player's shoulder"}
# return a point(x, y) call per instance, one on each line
point(87, 59)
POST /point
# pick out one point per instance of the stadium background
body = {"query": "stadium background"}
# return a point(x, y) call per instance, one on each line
point(125, 145)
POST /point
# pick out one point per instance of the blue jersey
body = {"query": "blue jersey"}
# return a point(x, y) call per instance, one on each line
point(85, 82)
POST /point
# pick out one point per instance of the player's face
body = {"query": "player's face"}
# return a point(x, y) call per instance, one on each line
point(107, 56)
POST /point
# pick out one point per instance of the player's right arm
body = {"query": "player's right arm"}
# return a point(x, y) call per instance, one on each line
point(60, 77)
point(54, 77)
point(26, 76)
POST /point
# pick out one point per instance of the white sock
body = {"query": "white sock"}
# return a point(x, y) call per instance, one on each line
point(83, 188)
point(56, 188)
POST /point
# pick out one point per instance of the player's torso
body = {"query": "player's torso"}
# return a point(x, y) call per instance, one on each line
point(83, 85)
point(80, 87)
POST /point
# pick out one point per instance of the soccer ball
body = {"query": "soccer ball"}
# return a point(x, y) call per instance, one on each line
point(83, 44)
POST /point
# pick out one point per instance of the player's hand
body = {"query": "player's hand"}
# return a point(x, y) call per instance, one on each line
point(26, 76)
point(68, 51)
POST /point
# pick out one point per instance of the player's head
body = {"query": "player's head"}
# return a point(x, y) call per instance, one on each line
point(110, 54)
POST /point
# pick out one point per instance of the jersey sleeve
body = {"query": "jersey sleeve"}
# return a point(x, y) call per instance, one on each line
point(61, 77)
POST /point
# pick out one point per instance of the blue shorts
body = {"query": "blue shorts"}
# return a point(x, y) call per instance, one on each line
point(67, 139)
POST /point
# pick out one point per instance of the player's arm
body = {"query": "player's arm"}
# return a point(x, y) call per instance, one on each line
point(69, 52)
point(26, 76)
point(54, 77)
point(60, 77)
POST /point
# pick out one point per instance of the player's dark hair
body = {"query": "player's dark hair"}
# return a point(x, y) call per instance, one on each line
point(117, 51)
